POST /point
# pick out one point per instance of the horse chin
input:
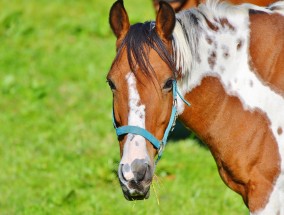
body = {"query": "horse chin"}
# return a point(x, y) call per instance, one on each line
point(136, 195)
point(137, 190)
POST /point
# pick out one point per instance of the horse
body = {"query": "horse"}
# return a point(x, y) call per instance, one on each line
point(179, 5)
point(219, 68)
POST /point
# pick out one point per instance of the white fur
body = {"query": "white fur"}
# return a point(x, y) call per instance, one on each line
point(234, 72)
point(278, 7)
point(135, 145)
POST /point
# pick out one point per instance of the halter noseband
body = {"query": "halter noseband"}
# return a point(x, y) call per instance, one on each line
point(158, 144)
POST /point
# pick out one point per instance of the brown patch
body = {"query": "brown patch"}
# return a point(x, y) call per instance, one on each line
point(212, 59)
point(279, 130)
point(239, 44)
point(247, 153)
point(225, 24)
point(209, 40)
point(225, 49)
point(179, 5)
point(266, 49)
point(211, 25)
point(226, 54)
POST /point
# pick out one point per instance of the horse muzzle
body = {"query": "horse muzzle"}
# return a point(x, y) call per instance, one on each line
point(134, 194)
point(135, 179)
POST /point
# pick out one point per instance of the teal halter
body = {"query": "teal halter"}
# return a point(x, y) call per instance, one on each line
point(158, 144)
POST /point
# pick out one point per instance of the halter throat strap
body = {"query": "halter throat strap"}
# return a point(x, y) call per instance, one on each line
point(158, 144)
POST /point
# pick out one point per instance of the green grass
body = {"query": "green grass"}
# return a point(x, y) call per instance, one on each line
point(58, 150)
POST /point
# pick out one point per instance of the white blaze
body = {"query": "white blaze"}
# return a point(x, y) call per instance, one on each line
point(135, 145)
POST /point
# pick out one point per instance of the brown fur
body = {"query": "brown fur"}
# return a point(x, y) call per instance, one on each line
point(253, 171)
point(149, 90)
point(183, 5)
point(249, 172)
point(268, 57)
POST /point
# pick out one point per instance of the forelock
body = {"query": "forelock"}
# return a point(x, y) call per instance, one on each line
point(140, 39)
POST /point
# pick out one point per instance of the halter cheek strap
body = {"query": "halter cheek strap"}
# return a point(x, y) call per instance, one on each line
point(158, 144)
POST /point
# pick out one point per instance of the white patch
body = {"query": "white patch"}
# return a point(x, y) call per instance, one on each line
point(135, 145)
point(233, 71)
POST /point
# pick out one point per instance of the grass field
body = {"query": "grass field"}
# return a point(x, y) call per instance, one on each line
point(58, 150)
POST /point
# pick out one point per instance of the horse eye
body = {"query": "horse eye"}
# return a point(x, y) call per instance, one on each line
point(111, 85)
point(168, 85)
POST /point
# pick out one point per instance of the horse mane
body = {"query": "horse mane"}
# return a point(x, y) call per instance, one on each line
point(140, 38)
point(196, 21)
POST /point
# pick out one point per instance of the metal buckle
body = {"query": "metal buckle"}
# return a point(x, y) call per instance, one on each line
point(175, 102)
point(161, 149)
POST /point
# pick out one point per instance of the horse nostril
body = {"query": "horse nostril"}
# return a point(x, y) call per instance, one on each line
point(139, 175)
point(138, 171)
point(125, 172)
point(139, 168)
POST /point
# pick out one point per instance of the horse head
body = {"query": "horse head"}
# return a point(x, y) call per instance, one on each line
point(142, 86)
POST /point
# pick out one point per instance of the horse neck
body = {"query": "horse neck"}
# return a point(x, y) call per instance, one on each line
point(233, 108)
point(201, 71)
point(219, 81)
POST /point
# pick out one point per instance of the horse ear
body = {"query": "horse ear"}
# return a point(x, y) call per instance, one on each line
point(165, 20)
point(118, 19)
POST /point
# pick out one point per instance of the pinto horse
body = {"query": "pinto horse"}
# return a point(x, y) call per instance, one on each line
point(179, 5)
point(228, 62)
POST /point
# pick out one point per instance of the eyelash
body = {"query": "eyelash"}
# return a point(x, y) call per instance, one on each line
point(111, 85)
point(168, 84)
